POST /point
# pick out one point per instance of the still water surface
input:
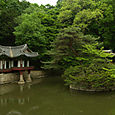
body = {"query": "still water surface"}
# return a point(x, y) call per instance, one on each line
point(49, 96)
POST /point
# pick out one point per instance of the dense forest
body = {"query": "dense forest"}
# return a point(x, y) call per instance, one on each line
point(69, 37)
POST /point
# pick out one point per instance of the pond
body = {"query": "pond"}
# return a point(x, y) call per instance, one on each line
point(49, 96)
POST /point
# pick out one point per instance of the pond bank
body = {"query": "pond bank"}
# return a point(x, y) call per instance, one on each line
point(78, 88)
point(14, 77)
point(49, 96)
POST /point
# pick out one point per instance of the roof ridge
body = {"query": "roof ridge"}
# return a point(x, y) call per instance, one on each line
point(15, 51)
point(11, 53)
point(1, 46)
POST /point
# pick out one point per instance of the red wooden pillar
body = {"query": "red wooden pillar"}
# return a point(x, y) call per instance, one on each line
point(21, 80)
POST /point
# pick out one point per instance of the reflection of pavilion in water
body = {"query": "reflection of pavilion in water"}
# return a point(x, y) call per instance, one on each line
point(4, 89)
point(20, 101)
point(7, 88)
point(14, 104)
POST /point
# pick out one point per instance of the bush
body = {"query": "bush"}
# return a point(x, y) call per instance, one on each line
point(90, 77)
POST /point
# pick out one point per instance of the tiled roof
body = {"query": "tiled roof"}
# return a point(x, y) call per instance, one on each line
point(16, 51)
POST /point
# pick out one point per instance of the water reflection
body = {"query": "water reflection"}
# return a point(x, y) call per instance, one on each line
point(21, 88)
point(20, 101)
point(50, 97)
point(29, 111)
point(14, 113)
point(7, 88)
point(25, 86)
point(32, 109)
point(16, 100)
point(4, 89)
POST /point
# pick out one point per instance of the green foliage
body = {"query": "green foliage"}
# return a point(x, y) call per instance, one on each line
point(67, 48)
point(49, 20)
point(9, 10)
point(37, 26)
point(94, 17)
point(48, 16)
point(31, 31)
point(83, 63)
point(89, 78)
point(94, 71)
point(59, 4)
point(75, 49)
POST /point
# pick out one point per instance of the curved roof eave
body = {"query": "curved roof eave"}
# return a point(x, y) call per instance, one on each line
point(16, 51)
point(27, 55)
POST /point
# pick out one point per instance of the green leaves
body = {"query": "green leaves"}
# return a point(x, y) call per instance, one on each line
point(83, 63)
point(66, 17)
point(8, 12)
point(93, 17)
point(30, 31)
point(85, 17)
point(37, 26)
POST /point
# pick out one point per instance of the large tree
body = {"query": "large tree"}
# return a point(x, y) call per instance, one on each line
point(83, 63)
point(9, 10)
point(94, 17)
point(30, 30)
point(37, 26)
point(67, 47)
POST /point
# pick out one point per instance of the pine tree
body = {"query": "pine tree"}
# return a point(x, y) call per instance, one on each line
point(84, 64)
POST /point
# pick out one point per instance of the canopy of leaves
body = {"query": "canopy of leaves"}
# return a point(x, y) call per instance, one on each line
point(9, 10)
point(31, 31)
point(37, 26)
point(95, 17)
point(67, 47)
point(83, 63)
point(75, 49)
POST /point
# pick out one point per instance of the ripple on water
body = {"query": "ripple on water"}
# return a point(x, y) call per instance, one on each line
point(14, 113)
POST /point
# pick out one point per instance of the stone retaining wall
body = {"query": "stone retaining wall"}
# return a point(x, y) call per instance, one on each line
point(35, 74)
point(90, 90)
point(14, 77)
point(8, 78)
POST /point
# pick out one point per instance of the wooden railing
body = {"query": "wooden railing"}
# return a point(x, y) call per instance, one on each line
point(16, 69)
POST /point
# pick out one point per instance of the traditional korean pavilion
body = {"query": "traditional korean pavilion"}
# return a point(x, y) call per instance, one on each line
point(16, 58)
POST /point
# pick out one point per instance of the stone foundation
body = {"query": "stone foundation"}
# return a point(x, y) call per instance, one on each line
point(14, 77)
point(90, 90)
point(8, 78)
point(37, 74)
